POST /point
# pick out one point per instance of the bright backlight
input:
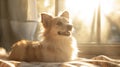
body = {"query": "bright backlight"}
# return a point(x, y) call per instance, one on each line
point(85, 8)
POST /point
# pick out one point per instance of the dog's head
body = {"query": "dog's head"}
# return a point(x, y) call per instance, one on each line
point(59, 26)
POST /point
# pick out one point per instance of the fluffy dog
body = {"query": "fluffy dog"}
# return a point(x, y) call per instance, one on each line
point(57, 45)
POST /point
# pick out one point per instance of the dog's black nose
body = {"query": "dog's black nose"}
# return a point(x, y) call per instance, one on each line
point(69, 27)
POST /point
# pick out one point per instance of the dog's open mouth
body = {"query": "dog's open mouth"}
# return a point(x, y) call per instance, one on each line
point(67, 33)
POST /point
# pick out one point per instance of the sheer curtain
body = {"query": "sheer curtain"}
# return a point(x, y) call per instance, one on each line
point(17, 21)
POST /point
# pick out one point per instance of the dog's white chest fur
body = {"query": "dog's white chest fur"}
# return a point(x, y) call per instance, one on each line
point(60, 49)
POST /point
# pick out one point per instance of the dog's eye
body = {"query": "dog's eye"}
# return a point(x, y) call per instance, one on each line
point(59, 23)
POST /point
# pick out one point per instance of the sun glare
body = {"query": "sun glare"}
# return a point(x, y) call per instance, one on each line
point(46, 3)
point(76, 5)
point(84, 9)
point(107, 6)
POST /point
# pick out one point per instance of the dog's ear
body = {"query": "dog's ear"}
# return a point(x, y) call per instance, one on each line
point(46, 19)
point(65, 14)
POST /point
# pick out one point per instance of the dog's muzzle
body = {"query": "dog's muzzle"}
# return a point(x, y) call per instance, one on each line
point(67, 32)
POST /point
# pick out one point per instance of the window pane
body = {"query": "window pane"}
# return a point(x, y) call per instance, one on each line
point(46, 6)
point(82, 13)
point(110, 25)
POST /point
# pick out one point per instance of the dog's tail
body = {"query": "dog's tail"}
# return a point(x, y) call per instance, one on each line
point(3, 53)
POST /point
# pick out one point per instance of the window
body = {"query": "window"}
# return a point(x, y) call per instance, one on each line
point(46, 6)
point(95, 21)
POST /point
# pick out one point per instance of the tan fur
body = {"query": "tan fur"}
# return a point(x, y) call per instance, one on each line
point(57, 44)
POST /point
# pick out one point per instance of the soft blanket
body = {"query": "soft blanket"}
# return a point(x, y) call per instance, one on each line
point(99, 61)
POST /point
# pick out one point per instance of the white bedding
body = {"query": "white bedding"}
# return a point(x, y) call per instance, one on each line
point(99, 61)
point(6, 63)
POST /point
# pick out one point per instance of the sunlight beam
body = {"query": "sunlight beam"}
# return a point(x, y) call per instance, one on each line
point(84, 9)
point(107, 6)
